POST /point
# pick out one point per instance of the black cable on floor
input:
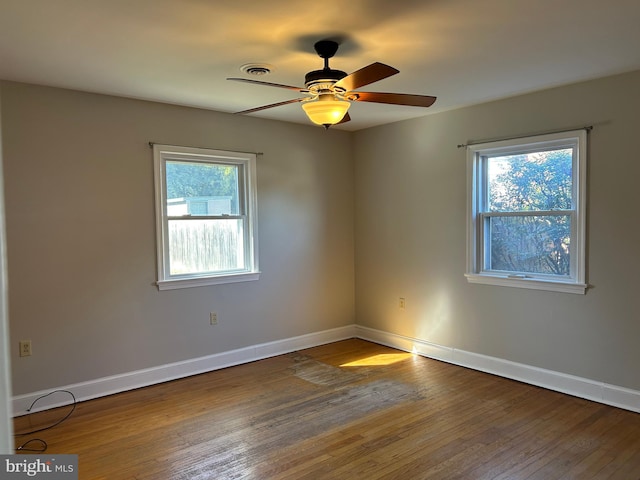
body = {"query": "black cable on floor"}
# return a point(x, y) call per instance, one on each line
point(26, 446)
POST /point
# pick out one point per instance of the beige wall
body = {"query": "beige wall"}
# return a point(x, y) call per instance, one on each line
point(411, 236)
point(80, 229)
point(81, 238)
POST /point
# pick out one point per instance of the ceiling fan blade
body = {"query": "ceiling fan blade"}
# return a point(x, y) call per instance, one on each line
point(279, 104)
point(345, 119)
point(366, 75)
point(269, 84)
point(393, 98)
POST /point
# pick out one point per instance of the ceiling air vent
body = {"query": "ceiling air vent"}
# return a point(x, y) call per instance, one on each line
point(257, 69)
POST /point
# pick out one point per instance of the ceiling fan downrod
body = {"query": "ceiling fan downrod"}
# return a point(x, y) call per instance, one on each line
point(326, 49)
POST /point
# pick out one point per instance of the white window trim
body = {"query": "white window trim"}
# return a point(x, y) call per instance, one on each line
point(475, 244)
point(162, 153)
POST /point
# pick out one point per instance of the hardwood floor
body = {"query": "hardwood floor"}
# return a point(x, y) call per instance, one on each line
point(348, 410)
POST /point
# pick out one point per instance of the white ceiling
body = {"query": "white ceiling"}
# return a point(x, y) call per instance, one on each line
point(181, 51)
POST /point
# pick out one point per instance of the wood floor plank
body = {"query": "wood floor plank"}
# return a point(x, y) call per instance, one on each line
point(348, 410)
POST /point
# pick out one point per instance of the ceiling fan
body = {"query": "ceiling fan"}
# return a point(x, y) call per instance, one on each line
point(330, 92)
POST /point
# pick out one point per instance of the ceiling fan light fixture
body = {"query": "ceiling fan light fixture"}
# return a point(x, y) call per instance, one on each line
point(326, 110)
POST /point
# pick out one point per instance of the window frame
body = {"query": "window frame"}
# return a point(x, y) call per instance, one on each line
point(477, 212)
point(247, 203)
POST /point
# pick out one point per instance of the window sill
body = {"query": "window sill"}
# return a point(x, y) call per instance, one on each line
point(531, 283)
point(205, 281)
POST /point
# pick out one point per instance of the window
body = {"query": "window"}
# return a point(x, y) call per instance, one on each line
point(526, 212)
point(205, 216)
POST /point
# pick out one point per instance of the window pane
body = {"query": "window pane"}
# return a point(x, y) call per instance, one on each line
point(205, 246)
point(533, 181)
point(530, 244)
point(202, 189)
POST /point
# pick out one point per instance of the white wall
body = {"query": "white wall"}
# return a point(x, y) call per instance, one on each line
point(80, 231)
point(411, 234)
point(6, 424)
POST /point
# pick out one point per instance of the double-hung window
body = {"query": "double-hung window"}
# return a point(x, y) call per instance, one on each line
point(526, 212)
point(205, 216)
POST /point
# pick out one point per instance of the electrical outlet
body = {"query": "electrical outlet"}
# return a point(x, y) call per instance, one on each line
point(402, 303)
point(213, 318)
point(25, 348)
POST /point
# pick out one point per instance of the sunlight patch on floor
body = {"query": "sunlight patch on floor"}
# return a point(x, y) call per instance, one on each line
point(378, 360)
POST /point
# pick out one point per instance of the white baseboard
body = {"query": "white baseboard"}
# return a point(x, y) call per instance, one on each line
point(576, 386)
point(150, 376)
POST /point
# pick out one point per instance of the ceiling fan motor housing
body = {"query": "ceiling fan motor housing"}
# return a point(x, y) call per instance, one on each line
point(326, 75)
